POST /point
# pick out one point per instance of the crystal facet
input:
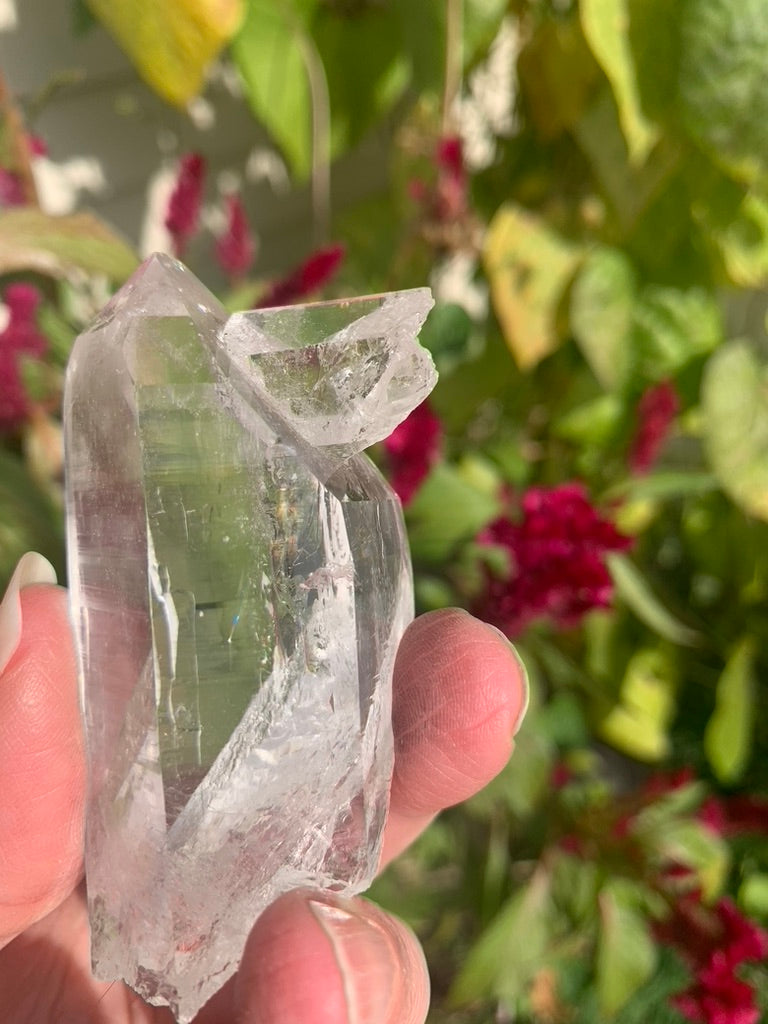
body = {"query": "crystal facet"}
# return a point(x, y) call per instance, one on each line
point(239, 584)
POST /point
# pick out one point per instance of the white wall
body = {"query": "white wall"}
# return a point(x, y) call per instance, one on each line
point(108, 136)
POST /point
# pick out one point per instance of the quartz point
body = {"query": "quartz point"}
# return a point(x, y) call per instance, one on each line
point(240, 580)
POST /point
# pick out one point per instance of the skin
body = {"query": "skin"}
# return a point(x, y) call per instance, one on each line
point(459, 696)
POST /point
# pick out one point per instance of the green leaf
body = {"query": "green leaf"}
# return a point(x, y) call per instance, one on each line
point(82, 19)
point(446, 510)
point(602, 298)
point(605, 24)
point(666, 485)
point(626, 951)
point(629, 189)
point(33, 240)
point(728, 735)
point(423, 32)
point(446, 334)
point(653, 31)
point(735, 424)
point(366, 68)
point(458, 396)
point(29, 521)
point(635, 592)
point(482, 19)
point(594, 422)
point(723, 85)
point(173, 42)
point(509, 952)
point(753, 894)
point(529, 266)
point(734, 222)
point(696, 846)
point(557, 74)
point(683, 800)
point(639, 724)
point(431, 592)
point(673, 326)
point(275, 56)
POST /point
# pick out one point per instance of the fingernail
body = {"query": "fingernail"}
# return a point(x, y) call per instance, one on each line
point(524, 678)
point(32, 568)
point(379, 959)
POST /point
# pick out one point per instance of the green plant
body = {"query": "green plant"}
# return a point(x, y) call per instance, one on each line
point(600, 423)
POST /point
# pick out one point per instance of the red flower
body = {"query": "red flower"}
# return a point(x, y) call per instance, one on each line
point(715, 942)
point(183, 214)
point(557, 549)
point(12, 191)
point(305, 279)
point(656, 411)
point(742, 939)
point(735, 815)
point(20, 338)
point(412, 448)
point(37, 145)
point(236, 247)
point(452, 196)
point(718, 997)
point(448, 200)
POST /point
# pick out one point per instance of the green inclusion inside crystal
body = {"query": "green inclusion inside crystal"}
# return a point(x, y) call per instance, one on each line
point(210, 555)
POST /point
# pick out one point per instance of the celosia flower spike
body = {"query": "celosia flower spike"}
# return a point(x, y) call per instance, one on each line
point(236, 246)
point(309, 277)
point(183, 214)
point(21, 337)
point(412, 449)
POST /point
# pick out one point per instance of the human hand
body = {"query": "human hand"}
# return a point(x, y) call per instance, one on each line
point(311, 958)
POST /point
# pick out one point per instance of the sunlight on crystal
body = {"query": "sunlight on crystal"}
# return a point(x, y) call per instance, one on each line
point(240, 581)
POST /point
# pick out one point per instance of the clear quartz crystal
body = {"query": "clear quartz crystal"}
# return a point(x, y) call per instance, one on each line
point(239, 584)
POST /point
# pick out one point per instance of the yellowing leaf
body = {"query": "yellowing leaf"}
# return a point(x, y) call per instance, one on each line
point(33, 240)
point(606, 27)
point(171, 42)
point(735, 423)
point(638, 725)
point(728, 736)
point(529, 267)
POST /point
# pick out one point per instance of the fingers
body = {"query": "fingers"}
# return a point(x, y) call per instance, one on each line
point(459, 696)
point(314, 957)
point(41, 757)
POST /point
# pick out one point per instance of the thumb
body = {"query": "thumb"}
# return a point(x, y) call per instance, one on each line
point(41, 758)
point(319, 957)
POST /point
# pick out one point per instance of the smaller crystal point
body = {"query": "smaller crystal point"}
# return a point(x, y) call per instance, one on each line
point(240, 581)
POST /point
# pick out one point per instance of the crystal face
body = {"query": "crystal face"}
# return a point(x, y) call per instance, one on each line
point(239, 584)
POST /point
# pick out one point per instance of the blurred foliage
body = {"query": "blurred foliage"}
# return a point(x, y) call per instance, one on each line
point(597, 240)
